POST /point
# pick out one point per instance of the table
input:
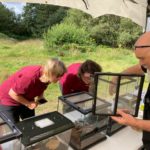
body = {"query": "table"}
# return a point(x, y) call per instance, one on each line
point(125, 139)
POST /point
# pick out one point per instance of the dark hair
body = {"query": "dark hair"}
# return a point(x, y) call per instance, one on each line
point(89, 66)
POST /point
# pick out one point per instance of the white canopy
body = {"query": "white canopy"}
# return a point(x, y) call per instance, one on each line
point(133, 9)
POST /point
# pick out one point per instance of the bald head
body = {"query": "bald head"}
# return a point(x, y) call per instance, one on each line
point(142, 50)
point(144, 40)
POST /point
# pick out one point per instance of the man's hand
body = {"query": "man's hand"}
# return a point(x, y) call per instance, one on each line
point(124, 118)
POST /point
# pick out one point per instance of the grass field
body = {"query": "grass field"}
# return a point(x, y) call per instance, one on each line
point(15, 54)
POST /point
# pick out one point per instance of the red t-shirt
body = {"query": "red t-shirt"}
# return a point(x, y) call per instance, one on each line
point(24, 82)
point(70, 82)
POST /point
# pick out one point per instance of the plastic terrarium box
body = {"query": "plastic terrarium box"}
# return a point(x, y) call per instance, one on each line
point(9, 134)
point(49, 131)
point(88, 128)
point(126, 95)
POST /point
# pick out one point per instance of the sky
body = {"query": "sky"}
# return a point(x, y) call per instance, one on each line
point(17, 7)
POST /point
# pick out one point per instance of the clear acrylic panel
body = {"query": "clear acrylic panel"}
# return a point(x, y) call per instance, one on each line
point(78, 97)
point(117, 91)
point(105, 102)
point(85, 105)
point(128, 94)
point(12, 145)
point(5, 130)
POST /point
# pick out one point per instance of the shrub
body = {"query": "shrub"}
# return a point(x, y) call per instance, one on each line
point(125, 40)
point(104, 35)
point(3, 36)
point(61, 34)
point(128, 33)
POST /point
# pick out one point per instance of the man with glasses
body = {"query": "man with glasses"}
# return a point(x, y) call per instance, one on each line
point(142, 52)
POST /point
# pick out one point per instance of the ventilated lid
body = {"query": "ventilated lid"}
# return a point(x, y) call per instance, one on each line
point(40, 127)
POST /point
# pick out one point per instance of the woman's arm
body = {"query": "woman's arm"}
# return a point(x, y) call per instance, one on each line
point(22, 100)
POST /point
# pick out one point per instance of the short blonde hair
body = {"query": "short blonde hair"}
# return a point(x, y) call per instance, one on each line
point(54, 67)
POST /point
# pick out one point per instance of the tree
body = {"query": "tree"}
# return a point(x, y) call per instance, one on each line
point(128, 33)
point(39, 17)
point(105, 31)
point(78, 18)
point(108, 30)
point(7, 18)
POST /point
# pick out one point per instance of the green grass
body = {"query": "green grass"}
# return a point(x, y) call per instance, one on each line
point(15, 54)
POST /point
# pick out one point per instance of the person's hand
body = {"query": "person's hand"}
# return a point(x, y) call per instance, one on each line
point(124, 118)
point(32, 105)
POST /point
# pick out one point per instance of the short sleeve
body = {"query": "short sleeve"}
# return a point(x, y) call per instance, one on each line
point(21, 84)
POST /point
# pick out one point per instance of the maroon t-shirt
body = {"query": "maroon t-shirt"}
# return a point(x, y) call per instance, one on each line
point(24, 82)
point(70, 82)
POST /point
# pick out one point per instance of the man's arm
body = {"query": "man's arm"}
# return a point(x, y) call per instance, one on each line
point(136, 69)
point(22, 100)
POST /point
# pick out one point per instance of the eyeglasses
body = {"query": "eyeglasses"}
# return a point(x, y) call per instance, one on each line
point(141, 46)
